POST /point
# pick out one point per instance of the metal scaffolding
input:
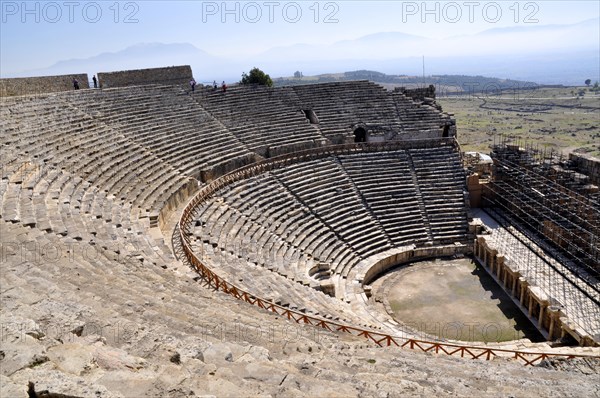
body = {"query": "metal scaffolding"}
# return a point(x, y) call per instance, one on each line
point(526, 189)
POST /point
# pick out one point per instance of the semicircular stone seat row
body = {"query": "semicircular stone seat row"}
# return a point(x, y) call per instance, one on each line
point(329, 214)
point(97, 167)
point(274, 120)
point(72, 175)
point(341, 106)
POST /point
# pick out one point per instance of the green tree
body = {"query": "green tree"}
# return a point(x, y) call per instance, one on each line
point(256, 76)
point(588, 82)
point(297, 74)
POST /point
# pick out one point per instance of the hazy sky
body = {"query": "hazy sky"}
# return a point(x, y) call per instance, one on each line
point(38, 34)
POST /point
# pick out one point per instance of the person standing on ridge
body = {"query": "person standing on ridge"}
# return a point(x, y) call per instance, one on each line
point(95, 81)
point(193, 84)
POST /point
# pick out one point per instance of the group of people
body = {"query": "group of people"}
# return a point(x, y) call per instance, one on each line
point(76, 83)
point(223, 85)
point(192, 84)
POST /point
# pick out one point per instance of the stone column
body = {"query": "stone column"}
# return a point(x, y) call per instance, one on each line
point(513, 288)
point(499, 267)
point(554, 315)
point(485, 258)
point(500, 264)
point(482, 244)
point(524, 284)
point(541, 316)
point(531, 302)
point(482, 252)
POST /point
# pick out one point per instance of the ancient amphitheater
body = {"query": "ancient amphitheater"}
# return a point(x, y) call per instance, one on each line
point(162, 242)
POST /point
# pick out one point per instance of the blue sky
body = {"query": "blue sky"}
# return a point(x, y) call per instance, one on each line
point(37, 34)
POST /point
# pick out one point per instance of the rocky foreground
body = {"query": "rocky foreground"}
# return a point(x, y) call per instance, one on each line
point(142, 331)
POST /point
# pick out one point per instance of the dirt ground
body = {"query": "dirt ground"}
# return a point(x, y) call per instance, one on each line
point(456, 299)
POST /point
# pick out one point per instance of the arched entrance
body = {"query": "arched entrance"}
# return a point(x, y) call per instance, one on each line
point(360, 135)
point(446, 132)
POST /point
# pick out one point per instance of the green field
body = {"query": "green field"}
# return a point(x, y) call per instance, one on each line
point(551, 118)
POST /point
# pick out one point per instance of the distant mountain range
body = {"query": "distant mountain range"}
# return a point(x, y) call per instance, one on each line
point(545, 54)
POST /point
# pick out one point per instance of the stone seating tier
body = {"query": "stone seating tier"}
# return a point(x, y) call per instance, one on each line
point(99, 167)
point(337, 210)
